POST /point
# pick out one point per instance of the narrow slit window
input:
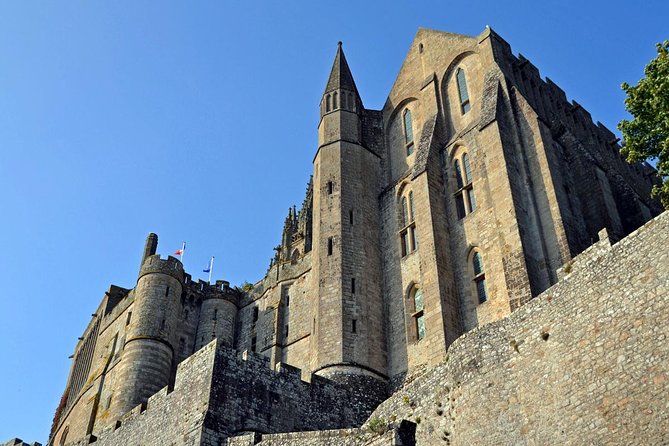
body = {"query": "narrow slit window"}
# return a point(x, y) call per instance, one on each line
point(215, 314)
point(253, 344)
point(167, 291)
point(330, 187)
point(334, 101)
point(462, 91)
point(350, 217)
point(465, 201)
point(408, 132)
point(353, 285)
point(329, 246)
point(354, 327)
point(127, 321)
point(479, 277)
point(285, 333)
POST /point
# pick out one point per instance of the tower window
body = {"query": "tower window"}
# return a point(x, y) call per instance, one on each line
point(127, 321)
point(253, 344)
point(215, 314)
point(167, 291)
point(479, 277)
point(408, 132)
point(353, 285)
point(343, 100)
point(327, 103)
point(408, 238)
point(353, 326)
point(329, 246)
point(255, 314)
point(330, 187)
point(462, 91)
point(334, 101)
point(417, 311)
point(350, 217)
point(465, 201)
point(285, 333)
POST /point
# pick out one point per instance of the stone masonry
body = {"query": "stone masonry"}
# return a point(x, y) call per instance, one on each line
point(455, 224)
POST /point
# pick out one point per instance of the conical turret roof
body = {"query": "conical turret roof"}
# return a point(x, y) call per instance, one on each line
point(340, 75)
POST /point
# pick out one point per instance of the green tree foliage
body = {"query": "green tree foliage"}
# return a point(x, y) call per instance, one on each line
point(647, 135)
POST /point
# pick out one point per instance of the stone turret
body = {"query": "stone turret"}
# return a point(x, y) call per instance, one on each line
point(348, 341)
point(148, 354)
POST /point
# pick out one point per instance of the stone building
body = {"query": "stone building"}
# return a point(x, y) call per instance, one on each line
point(448, 209)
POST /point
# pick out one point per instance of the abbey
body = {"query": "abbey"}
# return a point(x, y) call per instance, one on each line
point(449, 209)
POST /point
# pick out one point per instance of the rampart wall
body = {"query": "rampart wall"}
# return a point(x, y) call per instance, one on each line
point(583, 363)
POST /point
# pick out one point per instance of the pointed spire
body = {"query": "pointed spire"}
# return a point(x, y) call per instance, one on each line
point(340, 75)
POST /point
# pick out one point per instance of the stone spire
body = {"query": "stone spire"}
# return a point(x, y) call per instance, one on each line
point(340, 90)
point(340, 75)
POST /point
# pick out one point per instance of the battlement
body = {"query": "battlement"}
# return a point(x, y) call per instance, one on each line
point(154, 264)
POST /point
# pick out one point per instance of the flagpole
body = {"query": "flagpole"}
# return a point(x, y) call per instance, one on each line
point(211, 267)
point(183, 248)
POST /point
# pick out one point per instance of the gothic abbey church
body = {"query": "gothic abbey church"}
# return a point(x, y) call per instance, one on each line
point(463, 201)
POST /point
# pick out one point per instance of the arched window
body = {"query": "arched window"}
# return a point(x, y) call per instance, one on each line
point(462, 91)
point(334, 101)
point(408, 239)
point(479, 277)
point(465, 201)
point(417, 304)
point(408, 132)
point(343, 100)
point(327, 103)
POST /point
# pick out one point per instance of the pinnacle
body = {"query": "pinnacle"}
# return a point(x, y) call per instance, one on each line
point(340, 75)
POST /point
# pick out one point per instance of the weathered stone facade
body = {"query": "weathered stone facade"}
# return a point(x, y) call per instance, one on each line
point(435, 219)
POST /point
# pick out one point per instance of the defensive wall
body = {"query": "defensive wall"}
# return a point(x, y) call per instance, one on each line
point(583, 363)
point(218, 393)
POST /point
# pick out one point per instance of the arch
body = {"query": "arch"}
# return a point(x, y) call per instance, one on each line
point(415, 311)
point(343, 100)
point(406, 217)
point(476, 266)
point(334, 101)
point(327, 103)
point(407, 125)
point(295, 256)
point(463, 188)
point(463, 93)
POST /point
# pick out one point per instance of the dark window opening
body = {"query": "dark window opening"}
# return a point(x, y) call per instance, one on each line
point(465, 201)
point(330, 187)
point(465, 106)
point(255, 314)
point(350, 217)
point(479, 278)
point(215, 314)
point(253, 344)
point(329, 246)
point(162, 325)
point(285, 333)
point(127, 321)
point(167, 291)
point(353, 326)
point(353, 285)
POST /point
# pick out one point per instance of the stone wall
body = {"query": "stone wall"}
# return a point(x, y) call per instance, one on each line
point(583, 363)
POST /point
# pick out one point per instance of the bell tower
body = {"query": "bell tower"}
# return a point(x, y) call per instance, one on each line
point(348, 342)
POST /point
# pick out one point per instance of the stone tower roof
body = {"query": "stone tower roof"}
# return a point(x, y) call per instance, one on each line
point(340, 75)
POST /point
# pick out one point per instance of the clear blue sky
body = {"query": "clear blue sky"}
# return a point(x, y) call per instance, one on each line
point(197, 121)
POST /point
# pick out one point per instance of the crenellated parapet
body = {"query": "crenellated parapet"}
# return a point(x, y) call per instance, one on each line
point(155, 265)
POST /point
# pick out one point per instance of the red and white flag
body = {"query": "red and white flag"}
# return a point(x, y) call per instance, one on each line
point(181, 251)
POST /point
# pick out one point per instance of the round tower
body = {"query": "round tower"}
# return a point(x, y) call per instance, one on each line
point(147, 361)
point(217, 316)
